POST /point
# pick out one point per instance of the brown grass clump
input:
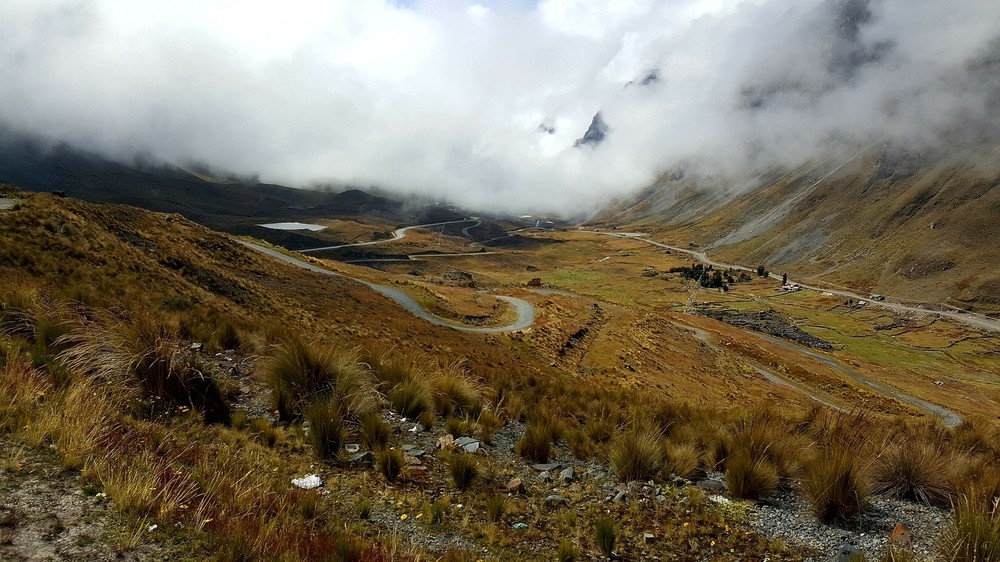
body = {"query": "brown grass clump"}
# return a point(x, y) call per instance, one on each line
point(974, 532)
point(835, 484)
point(135, 355)
point(463, 469)
point(750, 478)
point(392, 367)
point(411, 399)
point(390, 463)
point(916, 471)
point(299, 373)
point(455, 393)
point(682, 459)
point(636, 455)
point(327, 428)
point(375, 431)
point(536, 443)
point(605, 535)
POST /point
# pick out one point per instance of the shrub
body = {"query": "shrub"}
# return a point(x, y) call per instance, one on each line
point(495, 507)
point(974, 532)
point(750, 478)
point(636, 455)
point(411, 399)
point(683, 459)
point(327, 432)
point(390, 463)
point(463, 469)
point(605, 535)
point(916, 471)
point(299, 373)
point(375, 431)
point(835, 484)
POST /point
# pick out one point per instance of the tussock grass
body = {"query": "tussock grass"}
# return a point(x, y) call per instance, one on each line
point(463, 469)
point(682, 459)
point(390, 463)
point(135, 355)
point(605, 535)
point(496, 506)
point(455, 394)
point(567, 552)
point(636, 455)
point(375, 431)
point(299, 373)
point(836, 484)
point(917, 471)
point(536, 443)
point(763, 436)
point(411, 399)
point(974, 532)
point(487, 424)
point(327, 428)
point(750, 478)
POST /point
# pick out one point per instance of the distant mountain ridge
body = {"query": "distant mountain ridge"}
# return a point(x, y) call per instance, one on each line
point(171, 189)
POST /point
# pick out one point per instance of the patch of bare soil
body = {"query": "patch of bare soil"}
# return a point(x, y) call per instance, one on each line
point(768, 322)
point(45, 514)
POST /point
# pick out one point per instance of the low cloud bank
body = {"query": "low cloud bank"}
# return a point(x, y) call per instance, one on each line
point(484, 103)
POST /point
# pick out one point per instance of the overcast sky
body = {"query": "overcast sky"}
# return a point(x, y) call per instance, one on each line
point(445, 98)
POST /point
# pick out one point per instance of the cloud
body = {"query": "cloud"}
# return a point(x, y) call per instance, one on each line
point(445, 98)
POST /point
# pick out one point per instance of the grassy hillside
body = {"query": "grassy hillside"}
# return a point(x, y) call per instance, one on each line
point(920, 227)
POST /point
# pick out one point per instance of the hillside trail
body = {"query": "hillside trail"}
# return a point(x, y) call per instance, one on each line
point(524, 309)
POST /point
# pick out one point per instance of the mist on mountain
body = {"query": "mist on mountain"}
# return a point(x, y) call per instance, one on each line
point(445, 99)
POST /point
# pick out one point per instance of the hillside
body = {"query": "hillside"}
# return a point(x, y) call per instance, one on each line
point(170, 392)
point(921, 227)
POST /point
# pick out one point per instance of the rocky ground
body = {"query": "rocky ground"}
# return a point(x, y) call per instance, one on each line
point(47, 514)
point(786, 516)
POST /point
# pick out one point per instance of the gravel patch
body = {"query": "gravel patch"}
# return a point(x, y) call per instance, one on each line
point(786, 516)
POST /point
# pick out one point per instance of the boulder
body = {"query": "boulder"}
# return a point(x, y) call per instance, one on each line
point(544, 477)
point(850, 553)
point(515, 486)
point(555, 500)
point(713, 486)
point(566, 475)
point(362, 459)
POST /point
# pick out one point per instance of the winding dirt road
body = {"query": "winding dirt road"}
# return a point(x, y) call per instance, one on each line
point(524, 309)
point(397, 234)
point(970, 318)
